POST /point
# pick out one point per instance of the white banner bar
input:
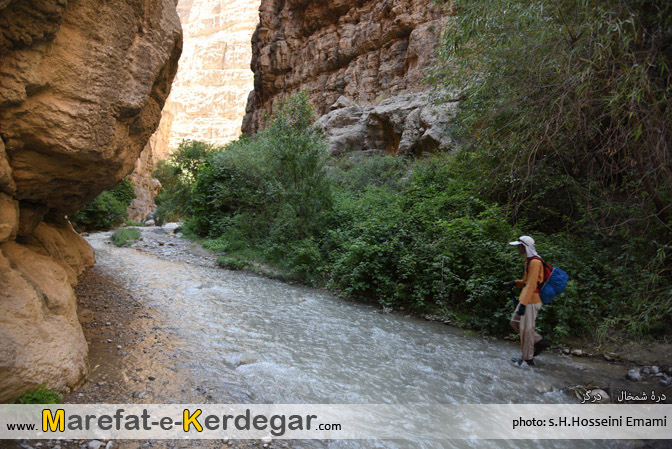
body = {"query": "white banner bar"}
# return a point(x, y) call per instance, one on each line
point(336, 421)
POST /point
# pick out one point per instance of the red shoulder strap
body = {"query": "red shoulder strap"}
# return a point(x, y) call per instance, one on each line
point(546, 265)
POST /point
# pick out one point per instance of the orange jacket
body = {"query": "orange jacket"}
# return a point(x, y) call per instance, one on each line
point(533, 277)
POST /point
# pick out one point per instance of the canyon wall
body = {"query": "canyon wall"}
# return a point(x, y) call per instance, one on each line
point(82, 85)
point(211, 87)
point(207, 100)
point(366, 51)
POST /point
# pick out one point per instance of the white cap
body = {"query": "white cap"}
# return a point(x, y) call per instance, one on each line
point(524, 240)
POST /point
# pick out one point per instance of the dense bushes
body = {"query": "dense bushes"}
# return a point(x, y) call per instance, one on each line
point(177, 174)
point(268, 193)
point(419, 235)
point(425, 244)
point(577, 136)
point(107, 210)
point(573, 142)
point(423, 240)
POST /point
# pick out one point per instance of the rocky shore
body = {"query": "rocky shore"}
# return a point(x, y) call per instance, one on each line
point(135, 358)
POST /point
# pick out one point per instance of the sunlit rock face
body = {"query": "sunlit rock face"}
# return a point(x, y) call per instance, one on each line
point(366, 51)
point(402, 125)
point(208, 97)
point(82, 85)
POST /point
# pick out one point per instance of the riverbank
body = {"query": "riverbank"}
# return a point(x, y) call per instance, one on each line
point(135, 358)
point(165, 325)
point(168, 245)
point(631, 354)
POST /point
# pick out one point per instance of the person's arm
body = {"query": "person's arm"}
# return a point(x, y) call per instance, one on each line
point(533, 270)
point(520, 283)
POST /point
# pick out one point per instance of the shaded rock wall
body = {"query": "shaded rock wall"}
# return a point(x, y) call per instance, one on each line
point(364, 50)
point(82, 84)
point(146, 188)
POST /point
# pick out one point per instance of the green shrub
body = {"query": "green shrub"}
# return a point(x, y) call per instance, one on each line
point(107, 210)
point(232, 263)
point(40, 395)
point(177, 175)
point(575, 137)
point(431, 247)
point(573, 145)
point(269, 191)
point(125, 236)
point(424, 235)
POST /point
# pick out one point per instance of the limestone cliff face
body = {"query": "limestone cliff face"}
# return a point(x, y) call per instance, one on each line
point(364, 50)
point(82, 85)
point(207, 100)
point(209, 93)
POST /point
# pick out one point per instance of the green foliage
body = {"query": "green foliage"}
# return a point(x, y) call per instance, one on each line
point(177, 174)
point(268, 191)
point(427, 245)
point(565, 107)
point(107, 210)
point(40, 395)
point(425, 235)
point(562, 119)
point(231, 263)
point(125, 236)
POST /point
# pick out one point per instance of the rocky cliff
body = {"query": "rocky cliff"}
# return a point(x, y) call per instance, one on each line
point(146, 188)
point(207, 100)
point(82, 85)
point(210, 90)
point(366, 51)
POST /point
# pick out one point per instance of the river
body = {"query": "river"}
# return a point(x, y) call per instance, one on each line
point(258, 340)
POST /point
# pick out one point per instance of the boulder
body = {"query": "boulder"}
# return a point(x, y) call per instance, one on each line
point(64, 245)
point(42, 340)
point(634, 375)
point(600, 396)
point(400, 125)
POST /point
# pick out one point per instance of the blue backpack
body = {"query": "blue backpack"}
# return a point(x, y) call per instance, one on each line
point(555, 280)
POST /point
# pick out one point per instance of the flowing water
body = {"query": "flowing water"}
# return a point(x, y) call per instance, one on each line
point(262, 341)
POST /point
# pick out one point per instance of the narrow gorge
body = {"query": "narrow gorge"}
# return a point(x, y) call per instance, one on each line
point(207, 100)
point(368, 89)
point(339, 216)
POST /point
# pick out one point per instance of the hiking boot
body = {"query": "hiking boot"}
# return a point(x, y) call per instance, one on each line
point(522, 363)
point(541, 346)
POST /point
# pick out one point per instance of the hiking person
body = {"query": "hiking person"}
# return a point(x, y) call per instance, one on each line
point(529, 302)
